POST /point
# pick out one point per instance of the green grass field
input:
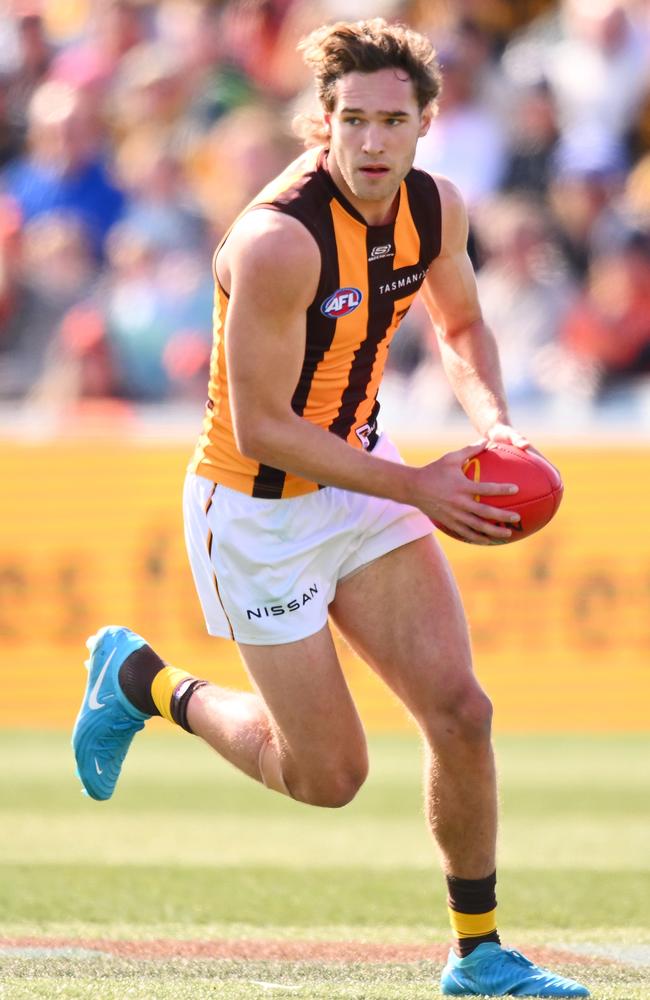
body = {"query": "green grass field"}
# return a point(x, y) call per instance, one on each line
point(195, 882)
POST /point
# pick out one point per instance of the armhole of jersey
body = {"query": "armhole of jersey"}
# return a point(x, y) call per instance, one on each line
point(274, 208)
point(214, 269)
point(222, 241)
point(434, 202)
point(437, 218)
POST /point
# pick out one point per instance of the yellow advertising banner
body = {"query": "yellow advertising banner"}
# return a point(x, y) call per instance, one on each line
point(91, 534)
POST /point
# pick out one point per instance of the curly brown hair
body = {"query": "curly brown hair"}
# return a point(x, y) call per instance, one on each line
point(334, 50)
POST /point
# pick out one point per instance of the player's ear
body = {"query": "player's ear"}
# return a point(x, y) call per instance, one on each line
point(426, 117)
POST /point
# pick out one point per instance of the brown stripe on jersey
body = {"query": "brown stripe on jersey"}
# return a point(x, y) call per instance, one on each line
point(424, 202)
point(268, 483)
point(317, 217)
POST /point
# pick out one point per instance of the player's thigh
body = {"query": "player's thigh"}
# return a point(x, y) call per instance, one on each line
point(304, 689)
point(403, 614)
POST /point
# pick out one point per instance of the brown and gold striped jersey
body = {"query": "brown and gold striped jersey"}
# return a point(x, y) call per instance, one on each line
point(368, 280)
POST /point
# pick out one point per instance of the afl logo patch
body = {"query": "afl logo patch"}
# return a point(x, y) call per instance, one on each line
point(341, 302)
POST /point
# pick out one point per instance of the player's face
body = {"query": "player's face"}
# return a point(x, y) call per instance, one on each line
point(374, 129)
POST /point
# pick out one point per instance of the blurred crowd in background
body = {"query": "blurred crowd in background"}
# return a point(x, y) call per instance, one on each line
point(133, 131)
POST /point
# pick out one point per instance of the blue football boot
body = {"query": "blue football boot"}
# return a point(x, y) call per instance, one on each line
point(493, 971)
point(107, 721)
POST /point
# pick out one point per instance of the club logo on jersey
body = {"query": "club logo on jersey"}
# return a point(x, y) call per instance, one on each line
point(386, 250)
point(341, 303)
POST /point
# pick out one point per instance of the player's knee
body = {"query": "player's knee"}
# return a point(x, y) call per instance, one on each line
point(476, 715)
point(335, 784)
point(339, 788)
point(466, 715)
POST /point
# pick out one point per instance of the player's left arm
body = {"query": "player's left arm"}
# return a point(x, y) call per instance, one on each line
point(468, 349)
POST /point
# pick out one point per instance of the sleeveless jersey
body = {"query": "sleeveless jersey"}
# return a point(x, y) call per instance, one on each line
point(368, 280)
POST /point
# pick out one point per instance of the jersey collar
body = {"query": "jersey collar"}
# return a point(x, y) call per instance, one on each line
point(321, 165)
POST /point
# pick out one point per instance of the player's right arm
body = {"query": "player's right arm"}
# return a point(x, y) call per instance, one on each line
point(270, 267)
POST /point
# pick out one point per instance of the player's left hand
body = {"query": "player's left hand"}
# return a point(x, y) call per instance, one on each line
point(505, 434)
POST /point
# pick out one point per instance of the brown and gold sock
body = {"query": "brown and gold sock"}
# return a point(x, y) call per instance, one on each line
point(157, 688)
point(171, 691)
point(472, 911)
point(136, 675)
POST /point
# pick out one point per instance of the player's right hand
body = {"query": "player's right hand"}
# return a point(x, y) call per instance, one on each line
point(445, 494)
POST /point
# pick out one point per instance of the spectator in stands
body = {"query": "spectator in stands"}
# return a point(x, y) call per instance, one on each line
point(608, 329)
point(594, 57)
point(160, 202)
point(64, 169)
point(587, 182)
point(467, 140)
point(45, 269)
point(196, 97)
point(30, 62)
point(15, 368)
point(216, 84)
point(79, 365)
point(499, 19)
point(149, 89)
point(636, 195)
point(261, 39)
point(116, 27)
point(12, 132)
point(150, 298)
point(533, 139)
point(523, 289)
point(236, 158)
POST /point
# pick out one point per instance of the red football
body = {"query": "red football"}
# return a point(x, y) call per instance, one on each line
point(539, 482)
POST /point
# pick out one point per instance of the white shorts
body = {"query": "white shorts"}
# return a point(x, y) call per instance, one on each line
point(266, 570)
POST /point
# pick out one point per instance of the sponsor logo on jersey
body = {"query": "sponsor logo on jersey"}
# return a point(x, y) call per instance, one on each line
point(386, 250)
point(397, 284)
point(341, 302)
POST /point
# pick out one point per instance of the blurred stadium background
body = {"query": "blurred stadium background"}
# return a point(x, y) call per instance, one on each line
point(131, 133)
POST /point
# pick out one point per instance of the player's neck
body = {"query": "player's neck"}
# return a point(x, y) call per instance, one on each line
point(375, 213)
